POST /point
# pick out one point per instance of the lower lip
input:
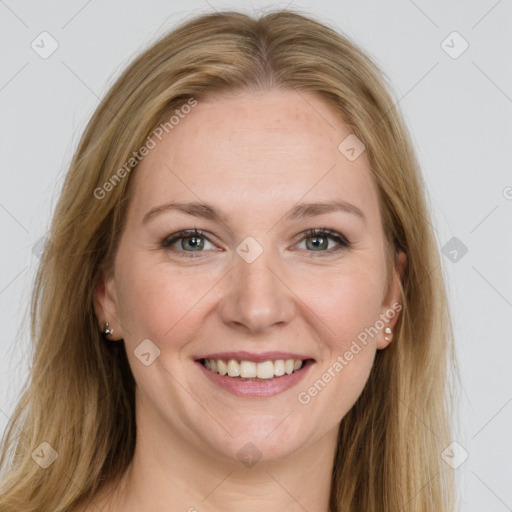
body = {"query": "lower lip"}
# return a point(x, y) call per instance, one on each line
point(257, 388)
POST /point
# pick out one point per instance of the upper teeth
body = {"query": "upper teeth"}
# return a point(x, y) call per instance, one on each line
point(250, 369)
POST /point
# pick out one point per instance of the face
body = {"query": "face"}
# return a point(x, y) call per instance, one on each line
point(252, 284)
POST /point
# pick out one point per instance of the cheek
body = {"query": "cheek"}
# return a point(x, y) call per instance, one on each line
point(158, 301)
point(346, 302)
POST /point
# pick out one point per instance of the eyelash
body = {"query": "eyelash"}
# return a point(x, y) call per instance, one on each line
point(323, 232)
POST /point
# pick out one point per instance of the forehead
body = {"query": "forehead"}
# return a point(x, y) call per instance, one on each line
point(246, 150)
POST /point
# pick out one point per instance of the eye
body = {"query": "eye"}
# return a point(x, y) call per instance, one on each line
point(193, 241)
point(318, 241)
point(190, 239)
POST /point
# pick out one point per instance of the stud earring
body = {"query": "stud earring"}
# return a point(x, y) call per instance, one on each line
point(106, 331)
point(388, 334)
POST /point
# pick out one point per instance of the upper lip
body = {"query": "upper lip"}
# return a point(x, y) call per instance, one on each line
point(253, 356)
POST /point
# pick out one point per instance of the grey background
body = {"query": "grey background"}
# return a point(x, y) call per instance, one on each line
point(459, 111)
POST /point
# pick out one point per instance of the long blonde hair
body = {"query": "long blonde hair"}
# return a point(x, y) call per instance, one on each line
point(79, 396)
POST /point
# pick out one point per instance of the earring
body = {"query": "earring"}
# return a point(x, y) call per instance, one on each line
point(389, 334)
point(106, 331)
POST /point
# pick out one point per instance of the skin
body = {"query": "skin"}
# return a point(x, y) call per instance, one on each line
point(254, 156)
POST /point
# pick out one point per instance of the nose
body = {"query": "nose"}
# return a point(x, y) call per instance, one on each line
point(257, 297)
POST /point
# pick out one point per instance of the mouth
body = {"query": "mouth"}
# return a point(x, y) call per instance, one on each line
point(255, 376)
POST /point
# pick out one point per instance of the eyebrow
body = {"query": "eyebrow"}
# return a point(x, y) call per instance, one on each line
point(299, 211)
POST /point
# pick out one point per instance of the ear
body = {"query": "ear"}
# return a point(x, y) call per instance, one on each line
point(392, 304)
point(105, 305)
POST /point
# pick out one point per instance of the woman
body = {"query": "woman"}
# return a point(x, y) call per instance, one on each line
point(241, 306)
